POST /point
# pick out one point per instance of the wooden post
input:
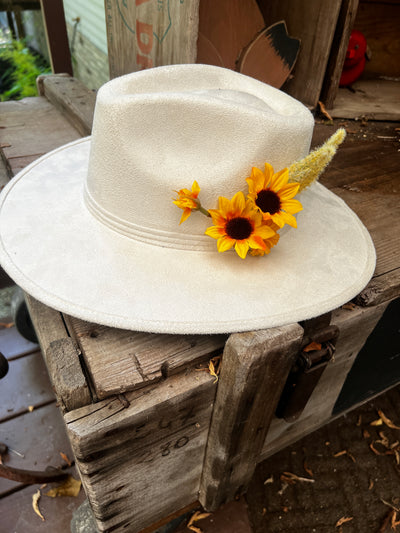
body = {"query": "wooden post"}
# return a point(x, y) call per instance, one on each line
point(254, 369)
point(150, 33)
point(56, 36)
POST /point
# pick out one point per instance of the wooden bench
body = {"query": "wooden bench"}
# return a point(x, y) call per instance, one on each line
point(152, 431)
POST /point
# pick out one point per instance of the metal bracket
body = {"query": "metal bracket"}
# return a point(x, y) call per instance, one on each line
point(308, 368)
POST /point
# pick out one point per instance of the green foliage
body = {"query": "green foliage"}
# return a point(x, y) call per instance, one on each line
point(19, 70)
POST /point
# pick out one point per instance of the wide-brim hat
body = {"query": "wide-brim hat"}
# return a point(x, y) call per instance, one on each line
point(91, 230)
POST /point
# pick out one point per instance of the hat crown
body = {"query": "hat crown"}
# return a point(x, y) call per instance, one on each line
point(157, 131)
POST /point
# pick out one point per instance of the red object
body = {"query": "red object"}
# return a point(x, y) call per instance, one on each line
point(355, 59)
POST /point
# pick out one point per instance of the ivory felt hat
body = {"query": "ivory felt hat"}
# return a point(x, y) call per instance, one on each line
point(91, 230)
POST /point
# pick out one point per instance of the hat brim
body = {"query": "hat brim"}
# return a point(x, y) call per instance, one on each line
point(60, 254)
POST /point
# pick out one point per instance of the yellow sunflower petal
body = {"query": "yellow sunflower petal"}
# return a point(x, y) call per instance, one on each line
point(286, 218)
point(265, 232)
point(279, 180)
point(185, 215)
point(268, 174)
point(195, 189)
point(289, 191)
point(217, 218)
point(238, 203)
point(225, 243)
point(256, 242)
point(258, 178)
point(292, 206)
point(215, 232)
point(224, 205)
point(241, 248)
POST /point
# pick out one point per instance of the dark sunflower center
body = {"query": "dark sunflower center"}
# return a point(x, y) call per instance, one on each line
point(268, 201)
point(239, 228)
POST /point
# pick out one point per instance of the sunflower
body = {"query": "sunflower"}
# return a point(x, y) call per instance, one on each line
point(187, 200)
point(270, 242)
point(237, 223)
point(273, 195)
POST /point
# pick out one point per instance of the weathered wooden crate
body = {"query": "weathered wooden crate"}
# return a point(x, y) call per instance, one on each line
point(152, 431)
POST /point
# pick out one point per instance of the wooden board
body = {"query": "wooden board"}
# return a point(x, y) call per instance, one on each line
point(122, 360)
point(150, 33)
point(18, 119)
point(355, 325)
point(347, 15)
point(380, 22)
point(13, 345)
point(370, 99)
point(254, 369)
point(141, 459)
point(313, 22)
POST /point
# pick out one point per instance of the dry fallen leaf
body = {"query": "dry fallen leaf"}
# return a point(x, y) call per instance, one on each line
point(324, 111)
point(65, 458)
point(269, 480)
point(6, 325)
point(308, 469)
point(31, 408)
point(70, 487)
point(371, 484)
point(343, 520)
point(211, 369)
point(387, 420)
point(313, 346)
point(197, 516)
point(35, 504)
point(350, 306)
point(378, 422)
point(289, 477)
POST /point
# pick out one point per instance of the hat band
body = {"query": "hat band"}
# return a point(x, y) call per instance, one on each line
point(156, 237)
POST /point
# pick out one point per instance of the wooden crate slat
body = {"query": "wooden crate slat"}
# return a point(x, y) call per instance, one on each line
point(143, 461)
point(146, 34)
point(314, 23)
point(355, 326)
point(120, 360)
point(253, 372)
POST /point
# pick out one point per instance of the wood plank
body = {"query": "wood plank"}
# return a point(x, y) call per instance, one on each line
point(144, 34)
point(73, 99)
point(225, 28)
point(122, 360)
point(26, 384)
point(253, 372)
point(355, 326)
point(56, 35)
point(380, 23)
point(130, 454)
point(20, 118)
point(48, 323)
point(380, 289)
point(70, 385)
point(13, 345)
point(17, 515)
point(314, 23)
point(39, 437)
point(347, 15)
point(371, 99)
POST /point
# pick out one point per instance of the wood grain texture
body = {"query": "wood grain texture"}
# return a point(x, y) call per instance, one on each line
point(314, 23)
point(254, 369)
point(380, 23)
point(121, 360)
point(72, 99)
point(148, 33)
point(65, 369)
point(374, 99)
point(141, 459)
point(355, 326)
point(347, 15)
